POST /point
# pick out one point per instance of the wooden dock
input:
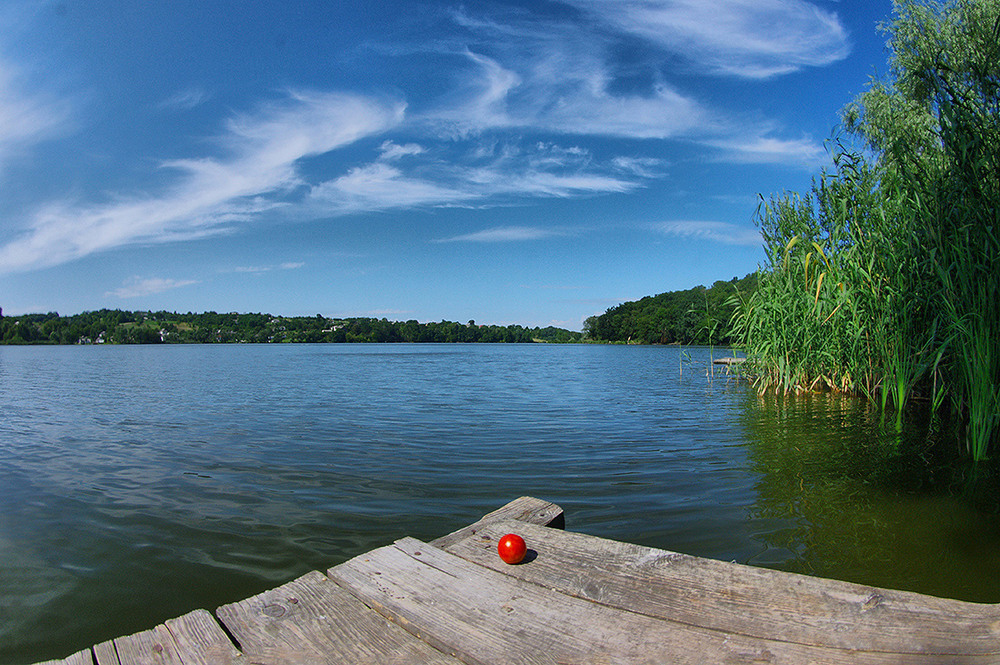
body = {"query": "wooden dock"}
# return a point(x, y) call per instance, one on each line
point(729, 361)
point(575, 599)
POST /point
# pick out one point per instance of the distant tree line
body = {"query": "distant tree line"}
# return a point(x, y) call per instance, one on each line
point(123, 327)
point(695, 316)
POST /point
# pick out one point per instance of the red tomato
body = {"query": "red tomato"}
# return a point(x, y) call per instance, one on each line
point(512, 548)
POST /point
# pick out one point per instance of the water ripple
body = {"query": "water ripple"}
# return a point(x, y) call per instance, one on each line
point(125, 470)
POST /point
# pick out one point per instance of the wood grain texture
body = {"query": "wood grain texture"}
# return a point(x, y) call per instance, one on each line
point(201, 641)
point(487, 617)
point(524, 509)
point(739, 599)
point(193, 639)
point(84, 657)
point(311, 620)
point(105, 654)
point(575, 599)
point(149, 647)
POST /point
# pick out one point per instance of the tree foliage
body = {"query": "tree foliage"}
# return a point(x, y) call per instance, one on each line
point(695, 316)
point(121, 327)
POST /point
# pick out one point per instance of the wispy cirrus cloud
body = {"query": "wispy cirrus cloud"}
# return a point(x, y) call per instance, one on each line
point(380, 186)
point(644, 167)
point(186, 99)
point(209, 194)
point(723, 232)
point(483, 176)
point(291, 265)
point(137, 287)
point(542, 183)
point(523, 74)
point(563, 76)
point(745, 38)
point(25, 118)
point(505, 234)
point(769, 150)
point(555, 76)
point(392, 151)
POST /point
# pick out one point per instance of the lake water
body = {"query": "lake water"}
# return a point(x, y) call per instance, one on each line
point(140, 482)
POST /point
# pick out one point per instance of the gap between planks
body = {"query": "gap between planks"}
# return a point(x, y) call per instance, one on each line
point(489, 617)
point(198, 639)
point(742, 599)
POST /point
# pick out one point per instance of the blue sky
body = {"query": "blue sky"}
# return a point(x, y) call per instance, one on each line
point(530, 162)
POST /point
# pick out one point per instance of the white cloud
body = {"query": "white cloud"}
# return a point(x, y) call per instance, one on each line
point(137, 287)
point(393, 151)
point(643, 167)
point(379, 186)
point(211, 194)
point(746, 38)
point(543, 170)
point(185, 100)
point(268, 268)
point(526, 74)
point(565, 77)
point(723, 232)
point(505, 234)
point(488, 106)
point(562, 85)
point(769, 150)
point(541, 183)
point(25, 118)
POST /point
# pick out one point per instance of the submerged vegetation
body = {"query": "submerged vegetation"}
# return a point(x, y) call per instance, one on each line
point(884, 281)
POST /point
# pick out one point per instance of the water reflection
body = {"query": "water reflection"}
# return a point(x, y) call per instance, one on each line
point(842, 494)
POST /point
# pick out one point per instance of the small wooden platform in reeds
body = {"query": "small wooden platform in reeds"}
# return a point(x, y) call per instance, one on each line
point(575, 599)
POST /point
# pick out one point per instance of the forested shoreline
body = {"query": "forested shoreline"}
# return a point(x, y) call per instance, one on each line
point(698, 316)
point(125, 327)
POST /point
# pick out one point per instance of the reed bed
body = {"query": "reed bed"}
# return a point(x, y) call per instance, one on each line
point(884, 281)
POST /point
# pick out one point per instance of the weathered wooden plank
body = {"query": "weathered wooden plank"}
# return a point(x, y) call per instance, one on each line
point(193, 639)
point(149, 647)
point(487, 617)
point(105, 654)
point(84, 657)
point(201, 641)
point(524, 509)
point(312, 620)
point(741, 599)
point(578, 599)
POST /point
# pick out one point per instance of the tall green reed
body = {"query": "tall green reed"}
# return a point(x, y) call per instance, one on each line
point(809, 323)
point(885, 280)
point(877, 288)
